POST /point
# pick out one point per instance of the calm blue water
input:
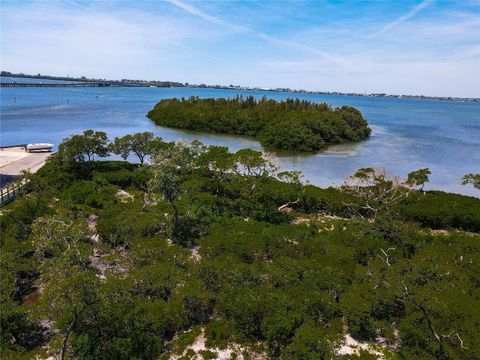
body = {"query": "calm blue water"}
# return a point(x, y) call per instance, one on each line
point(407, 134)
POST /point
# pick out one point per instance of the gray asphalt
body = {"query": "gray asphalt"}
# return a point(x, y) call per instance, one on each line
point(32, 162)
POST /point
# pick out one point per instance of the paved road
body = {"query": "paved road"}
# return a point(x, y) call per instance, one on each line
point(31, 162)
point(11, 169)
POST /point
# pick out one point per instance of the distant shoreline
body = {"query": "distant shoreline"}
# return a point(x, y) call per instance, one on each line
point(156, 83)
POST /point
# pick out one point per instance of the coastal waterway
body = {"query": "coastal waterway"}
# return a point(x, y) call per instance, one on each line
point(407, 133)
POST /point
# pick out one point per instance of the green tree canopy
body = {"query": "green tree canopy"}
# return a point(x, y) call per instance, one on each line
point(141, 144)
point(290, 124)
point(84, 147)
point(473, 179)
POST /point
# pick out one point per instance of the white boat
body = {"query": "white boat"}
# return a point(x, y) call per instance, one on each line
point(39, 146)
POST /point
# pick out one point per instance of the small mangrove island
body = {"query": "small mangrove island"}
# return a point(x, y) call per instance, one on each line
point(290, 124)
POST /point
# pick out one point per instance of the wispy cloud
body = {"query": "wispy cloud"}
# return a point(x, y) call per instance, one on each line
point(203, 15)
point(303, 47)
point(403, 18)
point(76, 4)
point(313, 45)
point(260, 35)
point(97, 41)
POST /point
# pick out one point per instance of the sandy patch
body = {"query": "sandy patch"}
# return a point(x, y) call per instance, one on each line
point(124, 196)
point(350, 346)
point(233, 349)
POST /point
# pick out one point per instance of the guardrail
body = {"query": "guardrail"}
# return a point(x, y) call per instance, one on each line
point(24, 146)
point(10, 191)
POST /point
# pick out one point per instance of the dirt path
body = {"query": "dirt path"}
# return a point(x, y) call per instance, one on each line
point(102, 262)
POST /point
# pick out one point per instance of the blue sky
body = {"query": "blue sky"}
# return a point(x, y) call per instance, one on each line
point(403, 47)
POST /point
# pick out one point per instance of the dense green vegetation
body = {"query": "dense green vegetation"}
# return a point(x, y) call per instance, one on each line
point(290, 124)
point(113, 260)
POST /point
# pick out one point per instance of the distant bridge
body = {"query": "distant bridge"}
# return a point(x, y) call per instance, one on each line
point(80, 84)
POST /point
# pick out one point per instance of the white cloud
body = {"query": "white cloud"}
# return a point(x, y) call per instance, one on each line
point(424, 4)
point(179, 41)
point(59, 39)
point(260, 35)
point(213, 19)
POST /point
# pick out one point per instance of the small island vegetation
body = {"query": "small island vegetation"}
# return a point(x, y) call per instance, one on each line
point(200, 252)
point(290, 124)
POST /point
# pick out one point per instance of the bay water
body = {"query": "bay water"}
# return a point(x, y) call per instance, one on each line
point(407, 133)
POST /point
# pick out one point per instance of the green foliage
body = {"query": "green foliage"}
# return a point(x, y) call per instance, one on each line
point(141, 144)
point(440, 210)
point(309, 343)
point(246, 308)
point(122, 178)
point(53, 237)
point(83, 147)
point(290, 124)
point(218, 334)
point(117, 282)
point(290, 135)
point(122, 328)
point(473, 179)
point(418, 178)
point(119, 225)
point(377, 193)
point(94, 194)
point(208, 355)
point(170, 169)
point(70, 289)
point(185, 339)
point(19, 333)
point(18, 217)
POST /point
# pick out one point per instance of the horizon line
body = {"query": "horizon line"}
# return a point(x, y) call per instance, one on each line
point(244, 87)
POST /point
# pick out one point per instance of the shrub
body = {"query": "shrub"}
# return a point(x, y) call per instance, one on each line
point(122, 178)
point(441, 210)
point(218, 333)
point(309, 343)
point(94, 194)
point(119, 224)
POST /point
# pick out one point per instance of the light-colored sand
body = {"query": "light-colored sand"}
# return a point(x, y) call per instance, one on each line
point(232, 351)
point(14, 160)
point(350, 346)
